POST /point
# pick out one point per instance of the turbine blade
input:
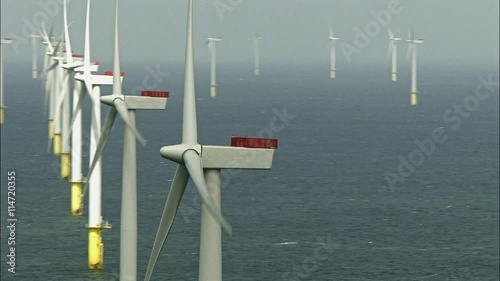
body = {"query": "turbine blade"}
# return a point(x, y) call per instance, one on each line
point(389, 51)
point(117, 85)
point(86, 55)
point(391, 35)
point(103, 139)
point(189, 125)
point(193, 163)
point(410, 50)
point(330, 31)
point(123, 111)
point(167, 218)
point(79, 104)
point(69, 55)
point(61, 97)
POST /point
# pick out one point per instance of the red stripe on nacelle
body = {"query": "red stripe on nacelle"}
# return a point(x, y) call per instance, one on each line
point(155, 94)
point(254, 142)
point(110, 73)
point(77, 56)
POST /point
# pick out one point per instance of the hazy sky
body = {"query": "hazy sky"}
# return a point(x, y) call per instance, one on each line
point(460, 31)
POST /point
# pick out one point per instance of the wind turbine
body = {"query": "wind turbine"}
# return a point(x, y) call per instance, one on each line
point(92, 86)
point(256, 48)
point(5, 41)
point(34, 72)
point(63, 103)
point(49, 78)
point(125, 106)
point(203, 164)
point(333, 43)
point(393, 52)
point(412, 50)
point(211, 49)
point(57, 92)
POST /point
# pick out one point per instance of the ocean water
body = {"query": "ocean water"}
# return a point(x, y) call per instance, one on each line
point(324, 212)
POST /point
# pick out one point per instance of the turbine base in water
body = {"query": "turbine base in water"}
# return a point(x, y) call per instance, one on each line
point(414, 98)
point(51, 129)
point(96, 248)
point(332, 74)
point(394, 76)
point(35, 74)
point(257, 71)
point(1, 115)
point(57, 144)
point(65, 166)
point(76, 199)
point(213, 91)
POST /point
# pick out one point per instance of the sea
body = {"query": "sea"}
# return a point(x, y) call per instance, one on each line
point(363, 186)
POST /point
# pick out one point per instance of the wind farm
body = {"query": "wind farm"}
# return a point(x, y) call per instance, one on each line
point(349, 174)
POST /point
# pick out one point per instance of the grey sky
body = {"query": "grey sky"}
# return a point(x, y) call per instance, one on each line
point(294, 30)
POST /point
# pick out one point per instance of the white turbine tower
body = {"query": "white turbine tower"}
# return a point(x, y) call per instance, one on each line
point(34, 67)
point(4, 41)
point(333, 59)
point(412, 50)
point(203, 164)
point(393, 52)
point(211, 49)
point(63, 103)
point(256, 48)
point(125, 106)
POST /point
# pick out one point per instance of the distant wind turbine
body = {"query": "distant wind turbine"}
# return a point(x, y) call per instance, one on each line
point(202, 163)
point(393, 52)
point(34, 72)
point(5, 41)
point(256, 47)
point(333, 43)
point(63, 103)
point(211, 49)
point(125, 106)
point(412, 50)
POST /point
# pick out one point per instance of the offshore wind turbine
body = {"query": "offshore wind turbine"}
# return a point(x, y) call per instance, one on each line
point(34, 67)
point(96, 223)
point(5, 41)
point(256, 48)
point(393, 52)
point(333, 59)
point(125, 106)
point(63, 104)
point(49, 79)
point(203, 164)
point(412, 50)
point(211, 49)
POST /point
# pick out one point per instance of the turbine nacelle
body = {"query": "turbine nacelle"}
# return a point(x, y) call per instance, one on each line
point(214, 39)
point(6, 41)
point(415, 41)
